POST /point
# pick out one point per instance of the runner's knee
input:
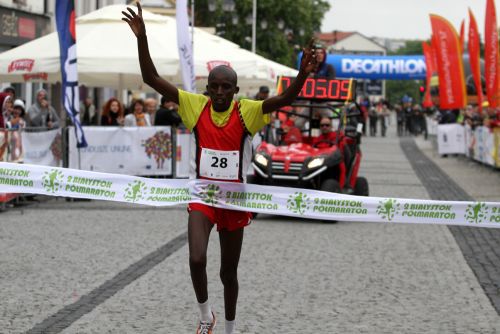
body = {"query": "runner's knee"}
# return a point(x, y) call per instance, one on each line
point(198, 261)
point(229, 276)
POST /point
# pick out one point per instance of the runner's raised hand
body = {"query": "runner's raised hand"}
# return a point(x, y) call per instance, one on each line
point(308, 62)
point(134, 20)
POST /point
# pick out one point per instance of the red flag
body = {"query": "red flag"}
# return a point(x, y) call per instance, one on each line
point(452, 93)
point(491, 57)
point(430, 68)
point(462, 35)
point(474, 57)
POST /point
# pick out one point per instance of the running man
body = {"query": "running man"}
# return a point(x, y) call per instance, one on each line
point(222, 131)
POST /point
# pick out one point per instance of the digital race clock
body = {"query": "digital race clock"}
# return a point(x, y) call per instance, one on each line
point(323, 89)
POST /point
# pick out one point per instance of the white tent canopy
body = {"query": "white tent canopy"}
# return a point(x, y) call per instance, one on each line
point(107, 55)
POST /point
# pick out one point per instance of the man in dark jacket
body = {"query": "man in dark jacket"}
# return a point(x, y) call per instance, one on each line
point(167, 114)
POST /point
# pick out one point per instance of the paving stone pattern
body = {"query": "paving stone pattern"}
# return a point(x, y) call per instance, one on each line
point(480, 246)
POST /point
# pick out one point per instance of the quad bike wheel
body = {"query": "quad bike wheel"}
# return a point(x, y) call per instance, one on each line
point(361, 188)
point(332, 186)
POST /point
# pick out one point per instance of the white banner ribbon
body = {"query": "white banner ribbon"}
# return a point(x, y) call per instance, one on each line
point(306, 203)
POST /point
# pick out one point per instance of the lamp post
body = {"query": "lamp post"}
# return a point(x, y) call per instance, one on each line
point(254, 25)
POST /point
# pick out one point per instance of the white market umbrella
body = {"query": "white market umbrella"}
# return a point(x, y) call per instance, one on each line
point(107, 55)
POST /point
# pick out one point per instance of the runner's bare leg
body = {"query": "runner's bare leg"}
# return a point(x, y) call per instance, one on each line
point(230, 244)
point(199, 228)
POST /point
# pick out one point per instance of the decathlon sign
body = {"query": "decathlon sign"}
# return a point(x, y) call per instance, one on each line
point(378, 67)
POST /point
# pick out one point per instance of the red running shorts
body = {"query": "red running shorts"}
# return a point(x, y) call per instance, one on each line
point(224, 219)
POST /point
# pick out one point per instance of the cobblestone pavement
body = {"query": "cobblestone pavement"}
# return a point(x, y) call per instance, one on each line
point(479, 246)
point(296, 276)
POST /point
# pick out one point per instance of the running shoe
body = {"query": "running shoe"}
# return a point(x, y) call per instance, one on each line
point(206, 327)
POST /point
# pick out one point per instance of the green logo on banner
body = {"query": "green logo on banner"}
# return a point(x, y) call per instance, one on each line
point(210, 193)
point(135, 191)
point(476, 213)
point(52, 181)
point(388, 209)
point(297, 203)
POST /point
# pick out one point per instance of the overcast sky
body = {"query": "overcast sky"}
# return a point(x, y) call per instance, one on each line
point(408, 19)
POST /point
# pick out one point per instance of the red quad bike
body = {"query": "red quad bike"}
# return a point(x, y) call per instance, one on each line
point(298, 159)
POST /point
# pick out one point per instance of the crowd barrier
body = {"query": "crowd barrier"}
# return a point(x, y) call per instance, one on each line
point(481, 144)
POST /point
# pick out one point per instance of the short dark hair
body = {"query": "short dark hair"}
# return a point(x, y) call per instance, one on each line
point(9, 89)
point(164, 100)
point(227, 70)
point(263, 89)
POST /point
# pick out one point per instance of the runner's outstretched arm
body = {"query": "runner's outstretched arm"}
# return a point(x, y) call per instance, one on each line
point(148, 69)
point(307, 65)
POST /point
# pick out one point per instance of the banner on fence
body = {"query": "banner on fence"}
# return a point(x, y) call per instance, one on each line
point(183, 153)
point(496, 143)
point(451, 139)
point(42, 148)
point(294, 202)
point(484, 145)
point(125, 150)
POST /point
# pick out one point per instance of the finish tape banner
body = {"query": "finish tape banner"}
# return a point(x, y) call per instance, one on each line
point(53, 181)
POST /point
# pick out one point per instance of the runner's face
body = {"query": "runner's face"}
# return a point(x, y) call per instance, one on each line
point(221, 89)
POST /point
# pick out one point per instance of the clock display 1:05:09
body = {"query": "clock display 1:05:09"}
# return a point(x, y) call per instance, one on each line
point(323, 89)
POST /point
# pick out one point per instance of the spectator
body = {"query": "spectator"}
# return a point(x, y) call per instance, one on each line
point(41, 114)
point(263, 93)
point(17, 120)
point(167, 113)
point(408, 116)
point(150, 105)
point(4, 98)
point(88, 114)
point(11, 91)
point(138, 117)
point(420, 125)
point(373, 116)
point(400, 119)
point(290, 133)
point(448, 116)
point(7, 109)
point(112, 113)
point(364, 106)
point(382, 113)
point(491, 117)
point(323, 69)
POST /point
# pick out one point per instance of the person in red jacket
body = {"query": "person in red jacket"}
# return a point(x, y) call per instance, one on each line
point(327, 136)
point(222, 129)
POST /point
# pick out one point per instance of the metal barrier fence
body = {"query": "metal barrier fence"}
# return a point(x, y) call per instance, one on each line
point(481, 143)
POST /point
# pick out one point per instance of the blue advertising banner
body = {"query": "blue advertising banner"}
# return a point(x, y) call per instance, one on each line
point(377, 67)
point(66, 30)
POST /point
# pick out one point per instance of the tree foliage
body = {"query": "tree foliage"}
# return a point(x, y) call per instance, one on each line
point(300, 18)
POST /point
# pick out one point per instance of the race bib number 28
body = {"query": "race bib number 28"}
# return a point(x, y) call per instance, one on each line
point(220, 165)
